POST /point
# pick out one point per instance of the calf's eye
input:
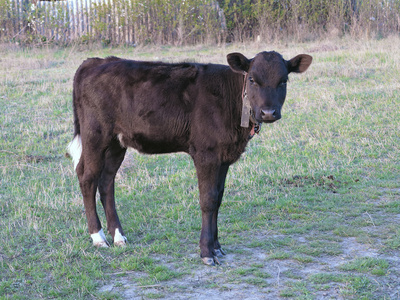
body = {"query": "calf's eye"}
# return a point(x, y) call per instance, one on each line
point(283, 83)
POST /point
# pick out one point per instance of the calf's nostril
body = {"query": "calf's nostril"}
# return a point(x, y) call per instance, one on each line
point(268, 114)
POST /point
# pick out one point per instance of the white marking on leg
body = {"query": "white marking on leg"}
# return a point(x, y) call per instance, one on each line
point(120, 139)
point(99, 239)
point(75, 149)
point(119, 239)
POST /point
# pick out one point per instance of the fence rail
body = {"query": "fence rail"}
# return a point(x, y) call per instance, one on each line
point(112, 21)
point(193, 21)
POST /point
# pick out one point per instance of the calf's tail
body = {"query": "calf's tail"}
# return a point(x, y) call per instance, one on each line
point(75, 146)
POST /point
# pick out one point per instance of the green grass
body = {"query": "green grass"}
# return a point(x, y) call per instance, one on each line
point(367, 264)
point(312, 207)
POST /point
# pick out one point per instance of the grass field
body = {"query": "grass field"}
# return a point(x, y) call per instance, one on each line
point(311, 211)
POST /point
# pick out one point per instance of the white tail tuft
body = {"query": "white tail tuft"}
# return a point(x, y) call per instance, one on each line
point(75, 149)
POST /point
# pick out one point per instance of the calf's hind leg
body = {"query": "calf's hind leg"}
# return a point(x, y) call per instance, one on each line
point(88, 170)
point(114, 156)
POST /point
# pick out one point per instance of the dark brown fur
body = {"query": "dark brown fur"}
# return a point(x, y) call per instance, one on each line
point(163, 108)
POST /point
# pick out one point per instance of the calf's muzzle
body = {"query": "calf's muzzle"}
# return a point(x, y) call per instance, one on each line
point(270, 115)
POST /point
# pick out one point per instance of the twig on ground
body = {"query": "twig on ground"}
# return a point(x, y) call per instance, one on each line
point(370, 218)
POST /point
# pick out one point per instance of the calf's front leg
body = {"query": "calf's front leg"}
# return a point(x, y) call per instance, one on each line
point(208, 176)
point(223, 171)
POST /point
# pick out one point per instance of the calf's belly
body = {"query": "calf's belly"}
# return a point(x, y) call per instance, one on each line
point(153, 145)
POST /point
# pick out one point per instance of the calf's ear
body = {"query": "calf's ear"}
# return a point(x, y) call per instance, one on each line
point(238, 62)
point(300, 63)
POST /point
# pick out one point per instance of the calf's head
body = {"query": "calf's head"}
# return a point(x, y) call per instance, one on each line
point(266, 76)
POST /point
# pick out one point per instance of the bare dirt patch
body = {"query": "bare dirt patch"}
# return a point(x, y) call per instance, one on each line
point(250, 273)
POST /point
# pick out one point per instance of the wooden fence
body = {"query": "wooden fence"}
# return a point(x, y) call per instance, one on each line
point(180, 22)
point(112, 21)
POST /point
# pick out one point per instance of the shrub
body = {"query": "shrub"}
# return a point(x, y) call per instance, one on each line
point(194, 21)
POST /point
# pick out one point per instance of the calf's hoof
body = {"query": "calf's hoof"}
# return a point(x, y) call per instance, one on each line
point(219, 252)
point(99, 239)
point(119, 239)
point(210, 261)
point(120, 243)
point(103, 244)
